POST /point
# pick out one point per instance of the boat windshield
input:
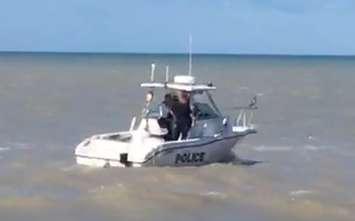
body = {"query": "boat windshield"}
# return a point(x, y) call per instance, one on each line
point(156, 107)
point(204, 106)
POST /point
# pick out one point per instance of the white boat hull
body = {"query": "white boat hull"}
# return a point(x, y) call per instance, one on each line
point(96, 162)
point(210, 139)
point(194, 152)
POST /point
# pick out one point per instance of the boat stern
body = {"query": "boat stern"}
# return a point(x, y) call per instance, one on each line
point(100, 152)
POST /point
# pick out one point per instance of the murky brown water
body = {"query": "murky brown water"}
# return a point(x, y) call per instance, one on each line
point(306, 140)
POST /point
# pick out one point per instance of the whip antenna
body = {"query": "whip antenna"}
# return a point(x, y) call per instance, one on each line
point(190, 54)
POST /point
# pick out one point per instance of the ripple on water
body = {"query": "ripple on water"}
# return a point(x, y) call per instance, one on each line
point(264, 148)
point(214, 194)
point(299, 193)
point(21, 145)
point(4, 149)
point(317, 148)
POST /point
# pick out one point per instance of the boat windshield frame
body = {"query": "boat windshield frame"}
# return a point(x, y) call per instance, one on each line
point(154, 109)
point(212, 110)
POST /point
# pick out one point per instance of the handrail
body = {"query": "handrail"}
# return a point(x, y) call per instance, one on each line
point(246, 114)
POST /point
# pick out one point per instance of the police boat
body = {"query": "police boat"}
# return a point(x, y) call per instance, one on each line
point(185, 129)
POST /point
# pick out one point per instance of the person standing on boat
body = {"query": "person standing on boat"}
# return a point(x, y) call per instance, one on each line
point(167, 117)
point(182, 111)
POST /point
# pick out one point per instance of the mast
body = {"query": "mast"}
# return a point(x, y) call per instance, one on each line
point(167, 74)
point(152, 73)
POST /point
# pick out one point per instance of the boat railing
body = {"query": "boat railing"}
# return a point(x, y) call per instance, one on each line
point(246, 115)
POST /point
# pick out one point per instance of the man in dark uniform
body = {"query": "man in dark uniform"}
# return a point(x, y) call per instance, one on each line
point(182, 112)
point(167, 119)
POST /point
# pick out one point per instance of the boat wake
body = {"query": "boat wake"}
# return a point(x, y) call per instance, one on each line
point(4, 149)
point(246, 162)
point(264, 148)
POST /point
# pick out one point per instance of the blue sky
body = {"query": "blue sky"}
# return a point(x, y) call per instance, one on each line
point(161, 26)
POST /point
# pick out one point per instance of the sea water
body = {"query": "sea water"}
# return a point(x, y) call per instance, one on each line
point(305, 143)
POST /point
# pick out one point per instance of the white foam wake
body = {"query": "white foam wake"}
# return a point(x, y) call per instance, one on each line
point(263, 148)
point(2, 149)
point(296, 193)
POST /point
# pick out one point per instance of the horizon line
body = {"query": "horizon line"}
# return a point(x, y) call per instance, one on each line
point(175, 53)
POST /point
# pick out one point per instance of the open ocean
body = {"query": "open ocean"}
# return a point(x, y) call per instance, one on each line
point(305, 145)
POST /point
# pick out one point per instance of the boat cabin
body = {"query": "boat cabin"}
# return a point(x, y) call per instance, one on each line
point(185, 111)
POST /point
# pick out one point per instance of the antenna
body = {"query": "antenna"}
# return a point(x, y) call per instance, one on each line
point(190, 54)
point(152, 73)
point(167, 73)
